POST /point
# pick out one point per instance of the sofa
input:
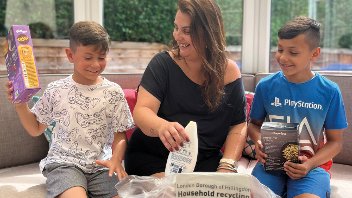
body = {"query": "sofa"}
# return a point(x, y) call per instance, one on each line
point(20, 153)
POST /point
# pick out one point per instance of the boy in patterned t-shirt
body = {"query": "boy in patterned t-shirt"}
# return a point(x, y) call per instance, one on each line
point(297, 95)
point(91, 116)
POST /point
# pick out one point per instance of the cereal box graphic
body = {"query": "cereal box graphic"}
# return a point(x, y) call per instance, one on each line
point(20, 63)
point(280, 141)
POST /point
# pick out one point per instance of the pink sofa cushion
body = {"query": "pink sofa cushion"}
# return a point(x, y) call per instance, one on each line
point(131, 97)
point(249, 98)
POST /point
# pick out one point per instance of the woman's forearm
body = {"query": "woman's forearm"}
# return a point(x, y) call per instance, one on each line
point(235, 141)
point(148, 121)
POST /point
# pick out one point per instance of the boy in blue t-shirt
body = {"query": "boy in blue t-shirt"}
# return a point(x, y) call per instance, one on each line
point(297, 95)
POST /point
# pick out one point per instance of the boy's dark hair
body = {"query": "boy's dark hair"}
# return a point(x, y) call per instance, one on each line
point(302, 25)
point(89, 33)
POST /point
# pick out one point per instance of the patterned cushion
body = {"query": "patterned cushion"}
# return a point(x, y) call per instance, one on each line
point(249, 147)
point(131, 97)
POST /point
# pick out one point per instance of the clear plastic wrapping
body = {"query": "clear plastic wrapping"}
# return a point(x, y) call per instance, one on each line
point(150, 187)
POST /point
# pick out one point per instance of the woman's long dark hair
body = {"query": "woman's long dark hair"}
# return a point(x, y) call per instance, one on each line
point(208, 38)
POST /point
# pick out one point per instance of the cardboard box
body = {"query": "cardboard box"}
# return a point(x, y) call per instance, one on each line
point(281, 143)
point(20, 63)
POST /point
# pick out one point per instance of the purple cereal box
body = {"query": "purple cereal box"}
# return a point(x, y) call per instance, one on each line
point(20, 63)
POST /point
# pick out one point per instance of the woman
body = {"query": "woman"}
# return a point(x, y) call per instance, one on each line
point(192, 82)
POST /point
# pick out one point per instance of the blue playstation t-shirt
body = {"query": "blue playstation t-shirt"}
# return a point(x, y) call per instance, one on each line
point(316, 105)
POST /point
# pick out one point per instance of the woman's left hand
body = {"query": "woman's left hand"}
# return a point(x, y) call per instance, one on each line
point(225, 171)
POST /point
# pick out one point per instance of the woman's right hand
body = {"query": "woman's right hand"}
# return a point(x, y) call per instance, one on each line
point(172, 135)
point(259, 154)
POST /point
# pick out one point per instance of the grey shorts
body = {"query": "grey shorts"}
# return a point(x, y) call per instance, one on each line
point(61, 177)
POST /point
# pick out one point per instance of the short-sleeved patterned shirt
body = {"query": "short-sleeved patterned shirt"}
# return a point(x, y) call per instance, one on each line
point(86, 119)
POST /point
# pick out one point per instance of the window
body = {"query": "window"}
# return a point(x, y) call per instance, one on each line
point(251, 27)
point(152, 22)
point(232, 12)
point(336, 39)
point(46, 18)
point(140, 21)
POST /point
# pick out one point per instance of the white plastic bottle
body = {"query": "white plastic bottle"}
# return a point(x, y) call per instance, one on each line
point(184, 160)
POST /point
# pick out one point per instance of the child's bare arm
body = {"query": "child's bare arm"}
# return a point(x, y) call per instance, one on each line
point(119, 146)
point(27, 118)
point(332, 147)
point(118, 154)
point(253, 129)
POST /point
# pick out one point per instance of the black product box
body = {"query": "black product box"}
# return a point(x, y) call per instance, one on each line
point(280, 142)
